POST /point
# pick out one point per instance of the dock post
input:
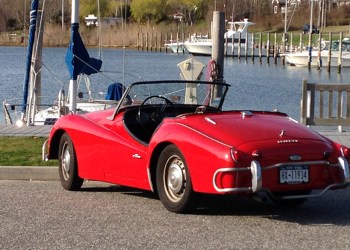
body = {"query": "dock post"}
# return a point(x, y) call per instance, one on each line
point(246, 46)
point(260, 47)
point(319, 57)
point(239, 46)
point(253, 46)
point(340, 51)
point(218, 48)
point(275, 49)
point(226, 46)
point(142, 41)
point(268, 48)
point(329, 52)
point(166, 40)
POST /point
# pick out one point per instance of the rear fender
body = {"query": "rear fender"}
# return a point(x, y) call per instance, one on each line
point(203, 154)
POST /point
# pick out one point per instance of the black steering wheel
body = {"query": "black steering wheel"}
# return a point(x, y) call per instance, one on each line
point(158, 114)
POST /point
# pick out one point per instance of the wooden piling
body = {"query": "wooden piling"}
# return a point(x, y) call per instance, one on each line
point(319, 57)
point(253, 46)
point(246, 46)
point(340, 51)
point(226, 43)
point(166, 40)
point(329, 52)
point(260, 47)
point(268, 48)
point(218, 48)
point(239, 46)
point(275, 49)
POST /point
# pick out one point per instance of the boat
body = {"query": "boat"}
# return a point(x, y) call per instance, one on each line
point(80, 66)
point(319, 57)
point(176, 46)
point(234, 37)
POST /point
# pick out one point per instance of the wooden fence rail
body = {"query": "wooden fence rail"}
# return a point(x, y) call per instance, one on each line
point(325, 104)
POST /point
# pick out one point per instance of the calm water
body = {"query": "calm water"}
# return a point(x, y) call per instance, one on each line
point(254, 85)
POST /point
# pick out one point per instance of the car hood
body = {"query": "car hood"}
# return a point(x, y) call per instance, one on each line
point(236, 128)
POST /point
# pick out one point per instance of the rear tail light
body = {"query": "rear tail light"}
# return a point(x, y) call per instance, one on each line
point(235, 154)
point(346, 152)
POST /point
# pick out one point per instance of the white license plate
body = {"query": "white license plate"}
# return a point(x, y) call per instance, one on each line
point(294, 174)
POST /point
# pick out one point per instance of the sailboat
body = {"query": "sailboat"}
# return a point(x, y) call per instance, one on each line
point(80, 66)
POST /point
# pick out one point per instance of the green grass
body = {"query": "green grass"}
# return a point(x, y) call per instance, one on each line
point(22, 151)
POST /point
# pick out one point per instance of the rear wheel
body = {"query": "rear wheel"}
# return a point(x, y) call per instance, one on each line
point(68, 167)
point(174, 182)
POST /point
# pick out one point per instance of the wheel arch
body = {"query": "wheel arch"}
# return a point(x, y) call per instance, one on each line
point(153, 163)
point(54, 143)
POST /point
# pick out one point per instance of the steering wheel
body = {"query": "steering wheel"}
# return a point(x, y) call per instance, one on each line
point(157, 116)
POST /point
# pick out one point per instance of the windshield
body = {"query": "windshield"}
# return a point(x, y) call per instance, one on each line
point(178, 92)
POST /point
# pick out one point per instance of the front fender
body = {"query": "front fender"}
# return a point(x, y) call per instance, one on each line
point(89, 140)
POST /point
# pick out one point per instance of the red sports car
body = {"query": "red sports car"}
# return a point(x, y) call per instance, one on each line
point(174, 138)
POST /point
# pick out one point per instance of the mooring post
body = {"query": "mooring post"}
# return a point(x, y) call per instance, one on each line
point(329, 52)
point(275, 49)
point(253, 46)
point(260, 47)
point(319, 57)
point(268, 48)
point(340, 51)
point(218, 48)
point(246, 46)
point(239, 45)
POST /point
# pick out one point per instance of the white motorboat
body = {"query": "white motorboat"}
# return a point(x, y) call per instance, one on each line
point(234, 37)
point(319, 58)
point(175, 46)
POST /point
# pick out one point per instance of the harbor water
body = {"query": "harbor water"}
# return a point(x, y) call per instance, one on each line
point(255, 85)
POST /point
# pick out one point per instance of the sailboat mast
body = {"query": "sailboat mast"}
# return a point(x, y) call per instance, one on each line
point(32, 29)
point(73, 80)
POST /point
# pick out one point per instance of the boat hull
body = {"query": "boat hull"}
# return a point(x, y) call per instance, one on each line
point(302, 59)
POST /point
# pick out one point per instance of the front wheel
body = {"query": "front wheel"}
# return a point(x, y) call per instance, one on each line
point(174, 184)
point(68, 167)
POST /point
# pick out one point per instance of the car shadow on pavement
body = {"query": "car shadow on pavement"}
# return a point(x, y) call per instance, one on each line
point(330, 209)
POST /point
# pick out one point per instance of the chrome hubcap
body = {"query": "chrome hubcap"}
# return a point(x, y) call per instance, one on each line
point(65, 161)
point(175, 178)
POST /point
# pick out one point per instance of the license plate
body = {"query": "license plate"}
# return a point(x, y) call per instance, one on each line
point(294, 174)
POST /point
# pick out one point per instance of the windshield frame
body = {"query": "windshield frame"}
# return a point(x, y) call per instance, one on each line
point(125, 97)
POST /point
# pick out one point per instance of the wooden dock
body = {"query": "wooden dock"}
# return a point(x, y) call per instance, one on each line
point(13, 130)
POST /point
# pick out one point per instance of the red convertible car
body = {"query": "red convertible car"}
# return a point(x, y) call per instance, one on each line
point(174, 138)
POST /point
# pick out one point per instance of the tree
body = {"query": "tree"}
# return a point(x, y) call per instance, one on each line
point(146, 10)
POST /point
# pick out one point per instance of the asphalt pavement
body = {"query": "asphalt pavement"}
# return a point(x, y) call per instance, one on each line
point(43, 215)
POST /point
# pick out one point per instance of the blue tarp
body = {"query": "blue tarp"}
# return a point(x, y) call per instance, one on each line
point(115, 91)
point(77, 58)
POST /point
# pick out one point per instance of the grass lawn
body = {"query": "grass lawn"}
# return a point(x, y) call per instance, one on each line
point(22, 151)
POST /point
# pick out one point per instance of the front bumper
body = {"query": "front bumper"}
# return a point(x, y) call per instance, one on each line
point(256, 181)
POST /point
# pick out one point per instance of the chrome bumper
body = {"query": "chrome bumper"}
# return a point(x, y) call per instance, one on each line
point(256, 184)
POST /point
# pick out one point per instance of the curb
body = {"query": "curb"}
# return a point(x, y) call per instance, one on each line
point(29, 173)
